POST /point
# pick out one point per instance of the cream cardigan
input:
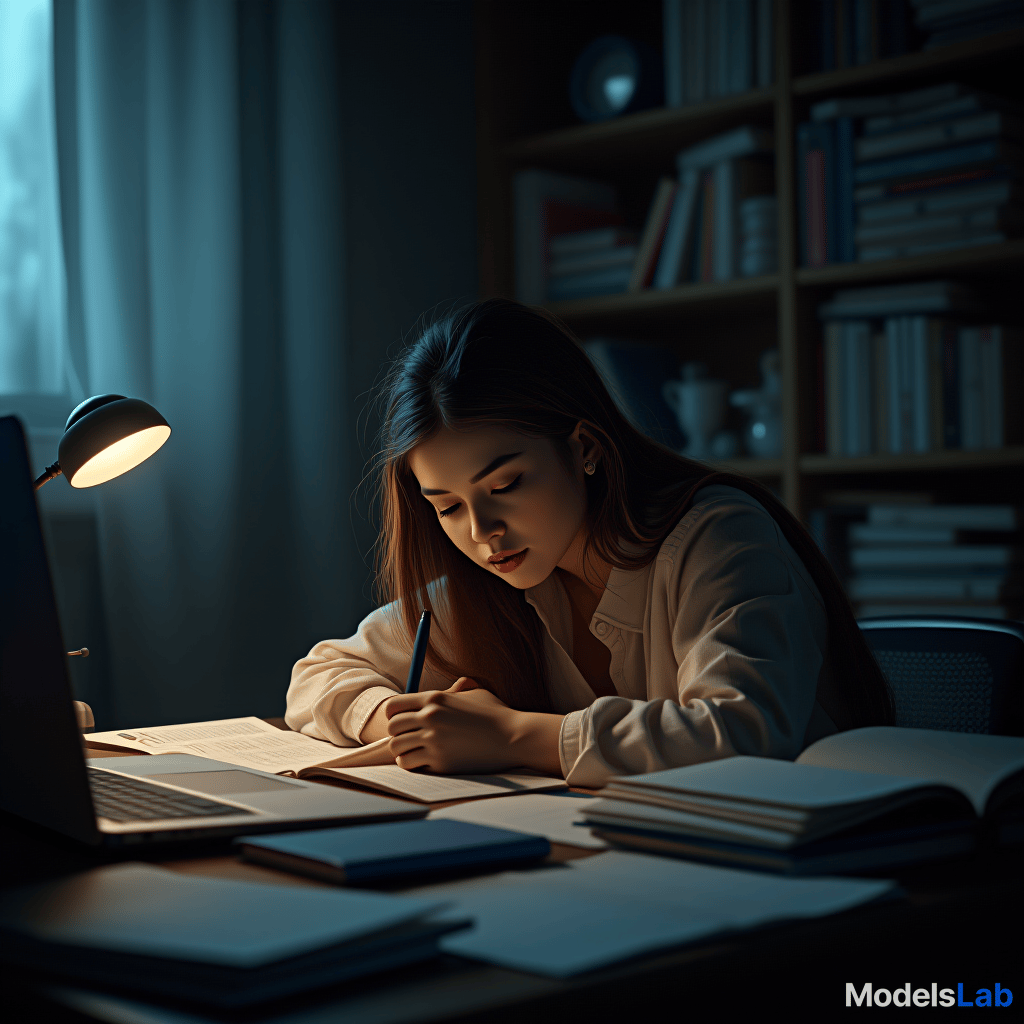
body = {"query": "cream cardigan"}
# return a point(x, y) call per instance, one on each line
point(717, 648)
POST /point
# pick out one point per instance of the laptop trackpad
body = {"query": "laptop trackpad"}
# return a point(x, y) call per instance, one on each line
point(222, 783)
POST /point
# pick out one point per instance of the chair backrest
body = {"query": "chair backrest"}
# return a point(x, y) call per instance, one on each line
point(961, 675)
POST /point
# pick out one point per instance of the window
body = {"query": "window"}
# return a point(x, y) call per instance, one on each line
point(33, 351)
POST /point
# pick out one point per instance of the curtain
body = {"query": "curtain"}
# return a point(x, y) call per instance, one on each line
point(201, 180)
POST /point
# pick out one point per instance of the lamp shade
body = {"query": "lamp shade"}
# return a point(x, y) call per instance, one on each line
point(106, 436)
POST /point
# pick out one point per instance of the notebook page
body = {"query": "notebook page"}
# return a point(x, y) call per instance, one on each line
point(538, 814)
point(247, 742)
point(431, 789)
point(973, 763)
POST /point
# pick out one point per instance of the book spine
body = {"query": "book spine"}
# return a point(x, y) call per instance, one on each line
point(991, 346)
point(936, 410)
point(950, 386)
point(741, 31)
point(865, 350)
point(707, 230)
point(803, 146)
point(862, 16)
point(921, 395)
point(765, 44)
point(970, 390)
point(722, 12)
point(670, 263)
point(922, 163)
point(845, 250)
point(724, 244)
point(880, 392)
point(849, 385)
point(696, 42)
point(833, 388)
point(653, 236)
point(674, 48)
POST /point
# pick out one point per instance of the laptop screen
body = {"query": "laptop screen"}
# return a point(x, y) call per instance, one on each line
point(42, 767)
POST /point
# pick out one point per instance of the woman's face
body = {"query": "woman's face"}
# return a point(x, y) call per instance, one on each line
point(505, 500)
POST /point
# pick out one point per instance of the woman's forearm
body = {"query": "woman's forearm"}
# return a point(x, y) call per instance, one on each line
point(376, 727)
point(534, 741)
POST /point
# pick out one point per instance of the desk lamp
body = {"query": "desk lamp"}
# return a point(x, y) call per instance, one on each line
point(104, 437)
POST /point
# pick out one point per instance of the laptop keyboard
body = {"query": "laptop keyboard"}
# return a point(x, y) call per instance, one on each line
point(119, 798)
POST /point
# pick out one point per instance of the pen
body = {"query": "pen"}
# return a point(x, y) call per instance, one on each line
point(419, 651)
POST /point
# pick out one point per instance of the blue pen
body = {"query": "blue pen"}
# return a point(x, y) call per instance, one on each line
point(419, 652)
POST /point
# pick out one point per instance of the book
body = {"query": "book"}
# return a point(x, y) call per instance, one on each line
point(860, 800)
point(932, 136)
point(579, 242)
point(735, 180)
point(547, 204)
point(253, 743)
point(893, 300)
point(370, 853)
point(217, 941)
point(817, 194)
point(739, 142)
point(966, 239)
point(605, 281)
point(939, 556)
point(970, 103)
point(591, 259)
point(993, 151)
point(924, 184)
point(653, 236)
point(931, 588)
point(678, 230)
point(959, 517)
point(943, 201)
point(868, 106)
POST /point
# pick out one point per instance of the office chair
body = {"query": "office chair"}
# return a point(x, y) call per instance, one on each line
point(957, 674)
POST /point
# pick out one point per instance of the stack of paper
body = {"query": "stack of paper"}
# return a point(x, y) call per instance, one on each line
point(563, 920)
point(210, 940)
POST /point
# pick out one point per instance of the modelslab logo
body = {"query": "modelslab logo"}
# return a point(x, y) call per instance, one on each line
point(934, 996)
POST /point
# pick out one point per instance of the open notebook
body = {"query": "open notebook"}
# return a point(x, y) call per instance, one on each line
point(253, 743)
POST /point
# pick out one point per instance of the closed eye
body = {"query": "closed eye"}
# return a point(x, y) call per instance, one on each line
point(498, 490)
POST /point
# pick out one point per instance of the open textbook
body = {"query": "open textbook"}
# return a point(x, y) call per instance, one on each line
point(253, 743)
point(858, 800)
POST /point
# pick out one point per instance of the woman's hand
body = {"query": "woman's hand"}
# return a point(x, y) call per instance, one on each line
point(465, 729)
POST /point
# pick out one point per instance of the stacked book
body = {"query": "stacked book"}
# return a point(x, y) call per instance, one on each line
point(548, 205)
point(716, 48)
point(952, 21)
point(698, 228)
point(759, 236)
point(901, 371)
point(880, 177)
point(585, 263)
point(859, 800)
point(851, 32)
point(936, 560)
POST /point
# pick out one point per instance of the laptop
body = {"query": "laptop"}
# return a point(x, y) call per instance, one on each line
point(123, 801)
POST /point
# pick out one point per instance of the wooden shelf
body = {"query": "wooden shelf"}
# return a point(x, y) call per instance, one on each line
point(640, 138)
point(664, 300)
point(926, 461)
point(979, 259)
point(728, 324)
point(911, 65)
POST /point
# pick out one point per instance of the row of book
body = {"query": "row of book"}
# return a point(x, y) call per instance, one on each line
point(943, 22)
point(846, 33)
point(880, 177)
point(925, 559)
point(714, 222)
point(716, 48)
point(900, 371)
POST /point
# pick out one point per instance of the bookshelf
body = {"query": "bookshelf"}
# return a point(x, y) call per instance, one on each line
point(524, 120)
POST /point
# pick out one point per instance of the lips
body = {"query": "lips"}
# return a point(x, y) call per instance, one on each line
point(508, 561)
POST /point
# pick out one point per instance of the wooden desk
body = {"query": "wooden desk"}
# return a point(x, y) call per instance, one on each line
point(959, 922)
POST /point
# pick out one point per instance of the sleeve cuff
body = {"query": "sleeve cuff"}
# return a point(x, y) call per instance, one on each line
point(569, 740)
point(362, 708)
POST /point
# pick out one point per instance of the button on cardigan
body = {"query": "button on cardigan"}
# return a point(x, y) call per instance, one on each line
point(717, 648)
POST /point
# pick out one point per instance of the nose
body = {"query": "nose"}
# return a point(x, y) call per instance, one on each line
point(483, 526)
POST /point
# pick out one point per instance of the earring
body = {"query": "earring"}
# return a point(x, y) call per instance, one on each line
point(589, 468)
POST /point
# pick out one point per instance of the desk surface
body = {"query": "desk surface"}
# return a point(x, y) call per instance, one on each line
point(959, 922)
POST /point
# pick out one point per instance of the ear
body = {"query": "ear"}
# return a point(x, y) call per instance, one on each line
point(585, 445)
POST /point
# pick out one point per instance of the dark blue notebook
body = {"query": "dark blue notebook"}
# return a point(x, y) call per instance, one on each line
point(364, 853)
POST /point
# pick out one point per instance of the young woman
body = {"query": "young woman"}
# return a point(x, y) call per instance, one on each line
point(601, 605)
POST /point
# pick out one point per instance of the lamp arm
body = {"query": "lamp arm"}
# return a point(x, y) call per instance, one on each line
point(48, 474)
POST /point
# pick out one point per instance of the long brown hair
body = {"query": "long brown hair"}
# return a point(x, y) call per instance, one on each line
point(503, 364)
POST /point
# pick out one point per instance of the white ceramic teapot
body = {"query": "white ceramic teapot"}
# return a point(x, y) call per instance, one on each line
point(699, 405)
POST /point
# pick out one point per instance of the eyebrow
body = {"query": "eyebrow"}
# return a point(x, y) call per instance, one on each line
point(489, 468)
